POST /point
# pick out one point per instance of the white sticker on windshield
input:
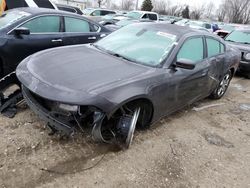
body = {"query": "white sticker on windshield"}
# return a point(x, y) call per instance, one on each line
point(173, 37)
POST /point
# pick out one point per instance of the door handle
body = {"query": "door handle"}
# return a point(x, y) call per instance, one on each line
point(56, 40)
point(92, 38)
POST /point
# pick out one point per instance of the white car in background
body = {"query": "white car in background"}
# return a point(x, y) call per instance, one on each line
point(141, 15)
point(96, 14)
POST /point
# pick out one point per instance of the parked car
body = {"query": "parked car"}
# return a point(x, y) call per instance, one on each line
point(112, 19)
point(182, 22)
point(131, 78)
point(206, 25)
point(240, 39)
point(24, 31)
point(97, 14)
point(139, 15)
point(123, 23)
point(69, 8)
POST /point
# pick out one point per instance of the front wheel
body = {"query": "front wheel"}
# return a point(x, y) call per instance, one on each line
point(222, 87)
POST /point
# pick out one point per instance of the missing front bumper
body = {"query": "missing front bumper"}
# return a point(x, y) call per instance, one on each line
point(58, 125)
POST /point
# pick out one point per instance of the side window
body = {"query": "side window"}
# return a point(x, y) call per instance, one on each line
point(76, 25)
point(213, 47)
point(44, 24)
point(96, 13)
point(192, 50)
point(94, 28)
point(104, 12)
point(152, 16)
point(208, 26)
point(145, 16)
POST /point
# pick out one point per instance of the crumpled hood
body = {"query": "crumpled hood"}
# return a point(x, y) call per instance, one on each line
point(75, 69)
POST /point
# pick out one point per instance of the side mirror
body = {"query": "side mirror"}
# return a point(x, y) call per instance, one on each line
point(185, 64)
point(22, 31)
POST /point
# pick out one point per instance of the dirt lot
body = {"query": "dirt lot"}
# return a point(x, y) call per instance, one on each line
point(197, 147)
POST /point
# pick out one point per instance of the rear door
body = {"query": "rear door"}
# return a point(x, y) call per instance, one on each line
point(45, 32)
point(216, 58)
point(79, 31)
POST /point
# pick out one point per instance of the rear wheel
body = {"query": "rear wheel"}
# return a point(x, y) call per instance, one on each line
point(222, 86)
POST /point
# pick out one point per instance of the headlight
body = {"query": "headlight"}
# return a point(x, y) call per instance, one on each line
point(247, 56)
point(67, 107)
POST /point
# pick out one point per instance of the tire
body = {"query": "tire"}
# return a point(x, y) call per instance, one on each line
point(1, 70)
point(248, 76)
point(222, 86)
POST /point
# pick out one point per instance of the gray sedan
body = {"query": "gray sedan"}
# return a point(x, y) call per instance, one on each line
point(131, 78)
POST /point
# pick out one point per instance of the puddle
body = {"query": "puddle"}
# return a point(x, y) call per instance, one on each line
point(245, 107)
point(217, 140)
point(237, 86)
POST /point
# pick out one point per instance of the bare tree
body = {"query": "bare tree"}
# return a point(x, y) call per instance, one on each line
point(161, 6)
point(175, 10)
point(221, 13)
point(237, 11)
point(101, 2)
point(209, 9)
point(197, 12)
point(127, 4)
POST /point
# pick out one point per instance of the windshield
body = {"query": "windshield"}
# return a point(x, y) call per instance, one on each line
point(239, 36)
point(10, 17)
point(135, 15)
point(139, 44)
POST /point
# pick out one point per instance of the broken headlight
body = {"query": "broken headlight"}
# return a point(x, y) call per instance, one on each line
point(67, 107)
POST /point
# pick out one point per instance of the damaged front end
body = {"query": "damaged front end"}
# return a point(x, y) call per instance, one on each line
point(66, 119)
point(10, 95)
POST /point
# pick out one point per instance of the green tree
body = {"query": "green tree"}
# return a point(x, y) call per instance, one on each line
point(185, 13)
point(147, 5)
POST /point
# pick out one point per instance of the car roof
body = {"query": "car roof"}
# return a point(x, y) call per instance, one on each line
point(148, 12)
point(172, 28)
point(62, 5)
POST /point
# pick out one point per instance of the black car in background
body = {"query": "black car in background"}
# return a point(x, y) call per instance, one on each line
point(241, 39)
point(69, 8)
point(24, 31)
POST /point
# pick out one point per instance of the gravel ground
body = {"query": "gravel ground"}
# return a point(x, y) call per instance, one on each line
point(204, 145)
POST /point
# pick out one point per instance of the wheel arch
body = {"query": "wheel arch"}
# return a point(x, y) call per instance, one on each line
point(136, 99)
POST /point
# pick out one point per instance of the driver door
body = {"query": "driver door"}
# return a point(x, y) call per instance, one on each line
point(191, 85)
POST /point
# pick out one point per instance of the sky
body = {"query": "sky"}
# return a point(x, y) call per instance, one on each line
point(194, 3)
